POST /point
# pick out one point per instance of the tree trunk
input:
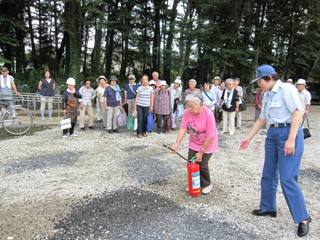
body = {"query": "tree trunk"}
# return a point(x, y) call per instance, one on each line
point(156, 37)
point(85, 51)
point(167, 61)
point(109, 51)
point(113, 11)
point(33, 46)
point(72, 26)
point(95, 57)
point(182, 40)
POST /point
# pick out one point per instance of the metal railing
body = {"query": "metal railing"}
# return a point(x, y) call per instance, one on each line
point(32, 101)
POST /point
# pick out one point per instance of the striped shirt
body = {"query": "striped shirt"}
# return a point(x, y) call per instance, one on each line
point(144, 96)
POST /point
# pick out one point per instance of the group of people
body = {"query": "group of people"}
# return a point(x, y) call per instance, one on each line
point(166, 103)
point(279, 105)
point(141, 98)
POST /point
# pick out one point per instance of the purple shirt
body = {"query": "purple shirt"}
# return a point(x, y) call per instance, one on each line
point(162, 102)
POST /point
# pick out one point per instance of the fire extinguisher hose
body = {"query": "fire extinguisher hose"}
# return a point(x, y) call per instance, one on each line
point(184, 158)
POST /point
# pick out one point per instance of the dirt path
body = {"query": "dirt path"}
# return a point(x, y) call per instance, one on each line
point(100, 186)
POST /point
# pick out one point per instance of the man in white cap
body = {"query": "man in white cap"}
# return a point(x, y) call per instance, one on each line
point(305, 96)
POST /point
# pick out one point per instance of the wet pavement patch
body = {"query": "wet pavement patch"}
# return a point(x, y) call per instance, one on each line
point(135, 148)
point(310, 175)
point(42, 162)
point(148, 170)
point(137, 214)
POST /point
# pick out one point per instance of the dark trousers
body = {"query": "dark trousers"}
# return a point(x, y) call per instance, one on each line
point(70, 130)
point(204, 168)
point(217, 114)
point(142, 119)
point(160, 125)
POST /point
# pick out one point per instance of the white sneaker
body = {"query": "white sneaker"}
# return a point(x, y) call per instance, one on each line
point(65, 136)
point(223, 132)
point(74, 135)
point(231, 134)
point(207, 190)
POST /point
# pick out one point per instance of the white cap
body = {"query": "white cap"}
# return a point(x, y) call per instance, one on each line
point(178, 80)
point(152, 82)
point(163, 83)
point(289, 80)
point(217, 78)
point(193, 81)
point(71, 81)
point(301, 81)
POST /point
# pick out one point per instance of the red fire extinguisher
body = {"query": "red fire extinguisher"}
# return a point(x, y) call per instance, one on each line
point(193, 175)
point(194, 178)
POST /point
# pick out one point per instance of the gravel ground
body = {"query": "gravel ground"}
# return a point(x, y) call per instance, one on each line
point(101, 186)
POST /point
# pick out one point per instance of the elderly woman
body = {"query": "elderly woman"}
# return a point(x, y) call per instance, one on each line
point(192, 89)
point(70, 106)
point(46, 89)
point(230, 104)
point(162, 106)
point(241, 96)
point(102, 81)
point(209, 97)
point(198, 121)
point(175, 91)
point(112, 102)
point(143, 105)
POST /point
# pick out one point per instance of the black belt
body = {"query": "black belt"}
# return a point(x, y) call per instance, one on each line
point(280, 125)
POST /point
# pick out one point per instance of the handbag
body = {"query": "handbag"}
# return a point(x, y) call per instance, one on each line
point(242, 106)
point(122, 118)
point(65, 123)
point(306, 131)
point(135, 126)
point(130, 123)
point(150, 123)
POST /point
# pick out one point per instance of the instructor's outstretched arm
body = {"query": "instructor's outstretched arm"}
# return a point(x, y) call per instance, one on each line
point(256, 127)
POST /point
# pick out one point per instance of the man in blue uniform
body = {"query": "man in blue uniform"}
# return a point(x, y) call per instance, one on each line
point(281, 109)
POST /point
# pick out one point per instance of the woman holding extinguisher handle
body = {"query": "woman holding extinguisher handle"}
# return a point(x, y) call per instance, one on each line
point(199, 122)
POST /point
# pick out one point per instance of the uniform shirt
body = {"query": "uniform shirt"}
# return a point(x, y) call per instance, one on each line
point(305, 98)
point(144, 96)
point(87, 96)
point(279, 103)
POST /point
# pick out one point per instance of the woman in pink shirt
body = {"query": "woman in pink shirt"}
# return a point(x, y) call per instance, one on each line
point(199, 122)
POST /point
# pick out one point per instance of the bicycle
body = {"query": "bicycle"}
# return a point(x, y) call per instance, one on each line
point(15, 120)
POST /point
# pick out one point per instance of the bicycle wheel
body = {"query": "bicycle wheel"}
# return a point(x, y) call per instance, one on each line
point(17, 123)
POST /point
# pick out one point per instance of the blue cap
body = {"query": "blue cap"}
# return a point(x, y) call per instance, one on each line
point(263, 71)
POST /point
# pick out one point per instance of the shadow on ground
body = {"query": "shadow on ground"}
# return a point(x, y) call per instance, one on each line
point(42, 162)
point(137, 214)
